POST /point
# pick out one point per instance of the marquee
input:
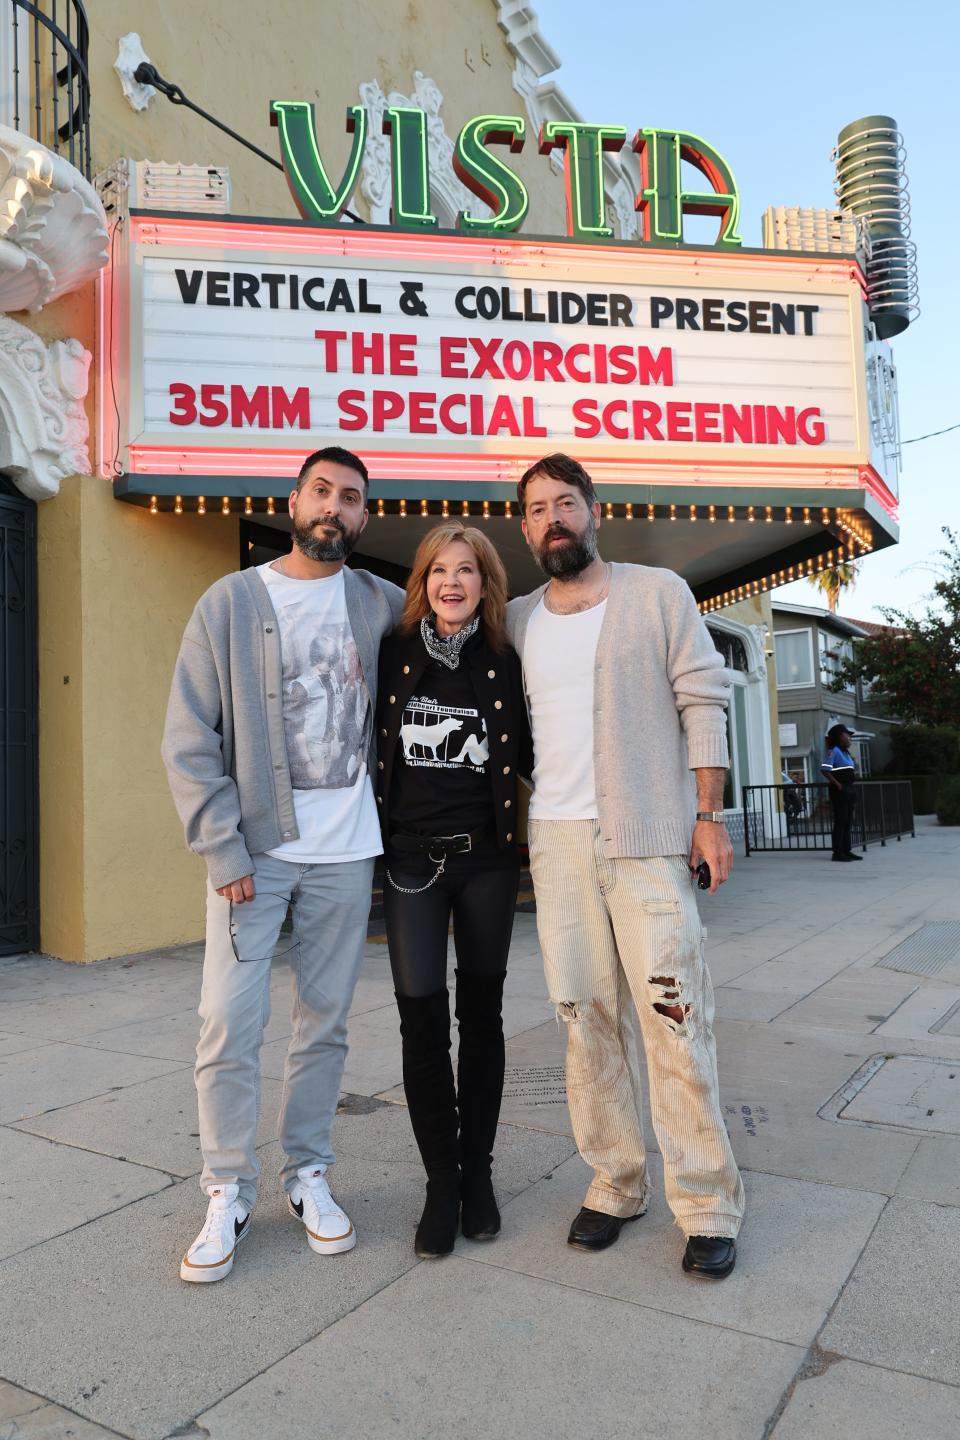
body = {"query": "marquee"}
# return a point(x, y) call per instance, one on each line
point(243, 345)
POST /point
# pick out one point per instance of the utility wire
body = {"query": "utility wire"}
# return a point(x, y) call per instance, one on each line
point(930, 434)
point(146, 74)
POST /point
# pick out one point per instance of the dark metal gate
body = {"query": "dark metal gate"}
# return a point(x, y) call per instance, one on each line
point(19, 790)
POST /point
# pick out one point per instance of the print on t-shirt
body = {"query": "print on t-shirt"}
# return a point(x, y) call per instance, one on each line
point(325, 708)
point(443, 737)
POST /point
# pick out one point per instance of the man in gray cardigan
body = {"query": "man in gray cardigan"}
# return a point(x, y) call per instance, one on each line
point(268, 747)
point(627, 698)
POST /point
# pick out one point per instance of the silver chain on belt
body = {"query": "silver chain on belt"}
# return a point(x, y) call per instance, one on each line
point(418, 890)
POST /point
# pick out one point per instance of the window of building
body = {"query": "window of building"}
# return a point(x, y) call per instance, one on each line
point(794, 655)
point(797, 767)
point(834, 652)
point(732, 648)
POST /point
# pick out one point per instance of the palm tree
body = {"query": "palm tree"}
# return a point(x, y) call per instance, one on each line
point(833, 581)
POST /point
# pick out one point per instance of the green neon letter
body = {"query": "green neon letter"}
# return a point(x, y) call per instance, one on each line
point(407, 129)
point(315, 197)
point(583, 147)
point(663, 202)
point(488, 177)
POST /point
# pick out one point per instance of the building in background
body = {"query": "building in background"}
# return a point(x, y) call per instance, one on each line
point(811, 646)
point(182, 319)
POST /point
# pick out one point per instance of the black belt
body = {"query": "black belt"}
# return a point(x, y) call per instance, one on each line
point(460, 844)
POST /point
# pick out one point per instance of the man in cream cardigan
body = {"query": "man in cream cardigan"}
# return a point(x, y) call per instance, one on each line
point(627, 698)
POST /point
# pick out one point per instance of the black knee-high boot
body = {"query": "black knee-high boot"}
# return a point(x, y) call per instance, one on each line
point(432, 1102)
point(479, 1091)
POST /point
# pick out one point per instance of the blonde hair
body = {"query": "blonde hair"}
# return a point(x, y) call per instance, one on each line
point(494, 602)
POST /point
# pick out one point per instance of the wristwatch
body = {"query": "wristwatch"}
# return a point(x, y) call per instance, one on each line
point(716, 817)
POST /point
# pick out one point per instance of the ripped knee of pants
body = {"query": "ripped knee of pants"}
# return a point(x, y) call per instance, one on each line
point(670, 1003)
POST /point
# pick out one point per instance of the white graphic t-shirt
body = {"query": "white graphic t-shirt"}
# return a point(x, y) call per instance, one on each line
point(326, 720)
point(558, 659)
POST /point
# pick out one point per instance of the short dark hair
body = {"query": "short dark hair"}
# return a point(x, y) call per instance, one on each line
point(558, 467)
point(337, 456)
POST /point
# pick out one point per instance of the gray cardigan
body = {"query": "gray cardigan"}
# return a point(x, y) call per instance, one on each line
point(660, 696)
point(223, 742)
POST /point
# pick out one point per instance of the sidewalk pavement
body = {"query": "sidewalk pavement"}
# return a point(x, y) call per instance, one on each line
point(840, 1078)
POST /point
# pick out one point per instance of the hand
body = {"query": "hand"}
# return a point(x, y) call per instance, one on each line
point(238, 891)
point(712, 843)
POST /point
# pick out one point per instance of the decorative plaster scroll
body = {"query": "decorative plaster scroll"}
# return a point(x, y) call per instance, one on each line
point(447, 194)
point(53, 230)
point(130, 54)
point(756, 652)
point(43, 422)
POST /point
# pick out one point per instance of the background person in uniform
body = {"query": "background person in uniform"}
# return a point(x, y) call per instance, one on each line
point(627, 698)
point(840, 770)
point(267, 743)
point(452, 738)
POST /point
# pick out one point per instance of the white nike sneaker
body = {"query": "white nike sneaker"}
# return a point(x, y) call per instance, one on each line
point(329, 1231)
point(210, 1257)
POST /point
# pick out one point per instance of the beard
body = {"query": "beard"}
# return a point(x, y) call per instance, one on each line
point(562, 562)
point(315, 545)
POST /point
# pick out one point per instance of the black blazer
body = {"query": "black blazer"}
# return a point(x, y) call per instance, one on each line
point(498, 685)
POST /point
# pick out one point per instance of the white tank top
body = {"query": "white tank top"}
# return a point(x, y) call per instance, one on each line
point(559, 652)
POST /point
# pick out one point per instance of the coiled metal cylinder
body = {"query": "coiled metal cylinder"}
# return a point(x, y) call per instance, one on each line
point(871, 183)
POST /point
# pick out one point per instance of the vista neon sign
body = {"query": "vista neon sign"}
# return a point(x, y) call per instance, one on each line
point(662, 201)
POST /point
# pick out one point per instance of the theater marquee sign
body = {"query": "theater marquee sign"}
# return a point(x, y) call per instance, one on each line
point(707, 374)
point(251, 344)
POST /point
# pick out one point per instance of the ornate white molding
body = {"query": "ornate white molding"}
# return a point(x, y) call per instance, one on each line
point(53, 230)
point(544, 100)
point(448, 195)
point(130, 54)
point(758, 657)
point(43, 422)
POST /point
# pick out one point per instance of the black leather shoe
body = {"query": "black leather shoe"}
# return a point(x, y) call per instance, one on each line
point(844, 858)
point(711, 1256)
point(592, 1230)
point(851, 856)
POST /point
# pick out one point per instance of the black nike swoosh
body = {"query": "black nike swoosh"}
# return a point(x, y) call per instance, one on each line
point(239, 1226)
point(298, 1207)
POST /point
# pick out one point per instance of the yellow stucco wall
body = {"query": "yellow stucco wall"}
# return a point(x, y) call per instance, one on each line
point(118, 584)
point(233, 57)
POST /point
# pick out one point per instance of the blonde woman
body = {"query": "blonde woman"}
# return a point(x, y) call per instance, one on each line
point(452, 737)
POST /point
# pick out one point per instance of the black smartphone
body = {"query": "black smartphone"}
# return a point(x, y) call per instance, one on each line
point(703, 875)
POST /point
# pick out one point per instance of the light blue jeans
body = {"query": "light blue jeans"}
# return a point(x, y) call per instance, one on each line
point(331, 905)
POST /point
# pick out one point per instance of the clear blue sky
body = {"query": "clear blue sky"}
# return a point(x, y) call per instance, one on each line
point(771, 86)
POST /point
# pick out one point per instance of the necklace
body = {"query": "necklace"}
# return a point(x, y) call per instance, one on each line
point(580, 604)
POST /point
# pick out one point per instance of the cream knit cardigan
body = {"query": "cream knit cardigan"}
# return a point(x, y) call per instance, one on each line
point(660, 698)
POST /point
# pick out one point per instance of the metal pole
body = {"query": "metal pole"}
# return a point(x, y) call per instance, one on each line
point(746, 822)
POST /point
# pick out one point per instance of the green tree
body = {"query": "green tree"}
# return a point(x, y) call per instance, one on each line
point(833, 581)
point(917, 666)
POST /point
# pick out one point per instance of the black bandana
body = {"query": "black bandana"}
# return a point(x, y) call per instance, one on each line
point(446, 648)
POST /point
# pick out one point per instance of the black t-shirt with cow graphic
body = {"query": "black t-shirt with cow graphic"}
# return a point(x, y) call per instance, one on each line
point(441, 783)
